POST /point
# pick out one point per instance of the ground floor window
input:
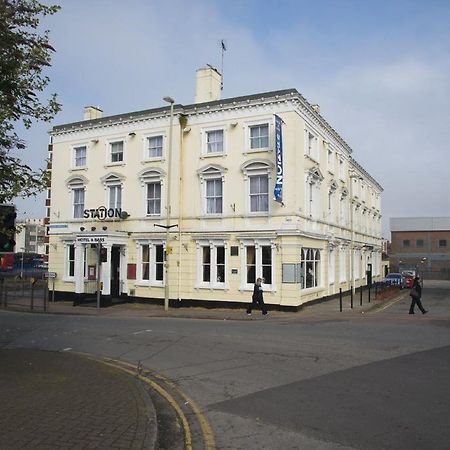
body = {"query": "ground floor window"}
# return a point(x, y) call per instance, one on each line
point(70, 261)
point(212, 264)
point(342, 265)
point(152, 263)
point(310, 268)
point(258, 263)
point(331, 266)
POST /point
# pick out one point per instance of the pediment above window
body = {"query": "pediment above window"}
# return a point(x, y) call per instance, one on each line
point(112, 178)
point(151, 175)
point(211, 169)
point(314, 175)
point(76, 180)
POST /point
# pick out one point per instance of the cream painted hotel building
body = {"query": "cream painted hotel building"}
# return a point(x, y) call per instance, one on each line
point(218, 162)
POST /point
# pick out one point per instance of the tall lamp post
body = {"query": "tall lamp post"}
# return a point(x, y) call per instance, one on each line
point(168, 226)
point(353, 176)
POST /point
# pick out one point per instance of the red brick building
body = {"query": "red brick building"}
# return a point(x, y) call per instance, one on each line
point(421, 243)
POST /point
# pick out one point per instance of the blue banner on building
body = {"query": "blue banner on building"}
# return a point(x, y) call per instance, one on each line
point(278, 191)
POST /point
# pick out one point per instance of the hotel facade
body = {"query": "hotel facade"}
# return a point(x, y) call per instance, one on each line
point(207, 198)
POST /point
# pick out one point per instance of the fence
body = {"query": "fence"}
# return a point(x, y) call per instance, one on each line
point(25, 293)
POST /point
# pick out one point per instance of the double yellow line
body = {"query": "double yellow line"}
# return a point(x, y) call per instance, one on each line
point(207, 433)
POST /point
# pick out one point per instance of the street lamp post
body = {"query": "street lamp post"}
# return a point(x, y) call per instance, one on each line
point(168, 226)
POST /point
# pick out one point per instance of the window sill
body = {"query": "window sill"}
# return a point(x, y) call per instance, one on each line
point(257, 150)
point(78, 169)
point(114, 164)
point(311, 158)
point(156, 159)
point(148, 284)
point(213, 155)
point(212, 216)
point(215, 287)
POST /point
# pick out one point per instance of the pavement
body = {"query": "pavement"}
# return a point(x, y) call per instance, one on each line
point(56, 400)
point(62, 400)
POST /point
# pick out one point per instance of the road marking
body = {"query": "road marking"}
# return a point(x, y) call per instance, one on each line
point(208, 435)
point(67, 349)
point(389, 304)
point(142, 331)
point(161, 391)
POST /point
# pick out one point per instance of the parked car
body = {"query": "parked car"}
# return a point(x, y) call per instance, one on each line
point(395, 279)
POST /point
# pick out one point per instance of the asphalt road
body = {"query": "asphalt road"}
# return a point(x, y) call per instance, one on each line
point(301, 381)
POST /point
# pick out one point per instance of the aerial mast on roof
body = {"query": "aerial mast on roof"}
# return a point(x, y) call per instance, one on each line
point(223, 49)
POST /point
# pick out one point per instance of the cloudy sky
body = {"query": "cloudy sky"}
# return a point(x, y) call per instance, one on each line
point(378, 69)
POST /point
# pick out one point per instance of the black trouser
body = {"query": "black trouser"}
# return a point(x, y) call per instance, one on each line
point(255, 302)
point(416, 301)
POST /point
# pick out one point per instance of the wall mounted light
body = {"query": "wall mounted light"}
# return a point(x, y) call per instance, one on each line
point(94, 141)
point(132, 134)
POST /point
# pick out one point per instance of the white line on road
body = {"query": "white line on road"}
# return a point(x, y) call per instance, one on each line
point(142, 331)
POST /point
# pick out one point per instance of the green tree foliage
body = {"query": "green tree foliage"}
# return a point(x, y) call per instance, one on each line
point(25, 53)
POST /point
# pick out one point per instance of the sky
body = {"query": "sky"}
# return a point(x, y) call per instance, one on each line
point(378, 69)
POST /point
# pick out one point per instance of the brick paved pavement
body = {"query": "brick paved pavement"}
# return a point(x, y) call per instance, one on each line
point(52, 400)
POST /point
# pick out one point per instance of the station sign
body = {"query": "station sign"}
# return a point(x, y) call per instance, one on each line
point(102, 213)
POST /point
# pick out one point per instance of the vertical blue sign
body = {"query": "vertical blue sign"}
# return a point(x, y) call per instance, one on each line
point(278, 191)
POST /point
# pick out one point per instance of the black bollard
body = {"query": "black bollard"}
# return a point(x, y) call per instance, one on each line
point(368, 287)
point(351, 297)
point(340, 299)
point(360, 295)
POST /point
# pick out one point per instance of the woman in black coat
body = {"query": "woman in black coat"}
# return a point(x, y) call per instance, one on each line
point(416, 294)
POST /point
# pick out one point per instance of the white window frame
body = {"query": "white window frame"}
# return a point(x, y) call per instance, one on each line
point(219, 181)
point(256, 168)
point(146, 139)
point(317, 263)
point(270, 137)
point(313, 183)
point(113, 180)
point(343, 264)
point(214, 283)
point(109, 145)
point(152, 281)
point(311, 145)
point(331, 158)
point(331, 202)
point(153, 199)
point(209, 173)
point(117, 188)
point(204, 141)
point(331, 265)
point(75, 191)
point(71, 278)
point(77, 182)
point(74, 156)
point(341, 169)
point(148, 176)
point(258, 244)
